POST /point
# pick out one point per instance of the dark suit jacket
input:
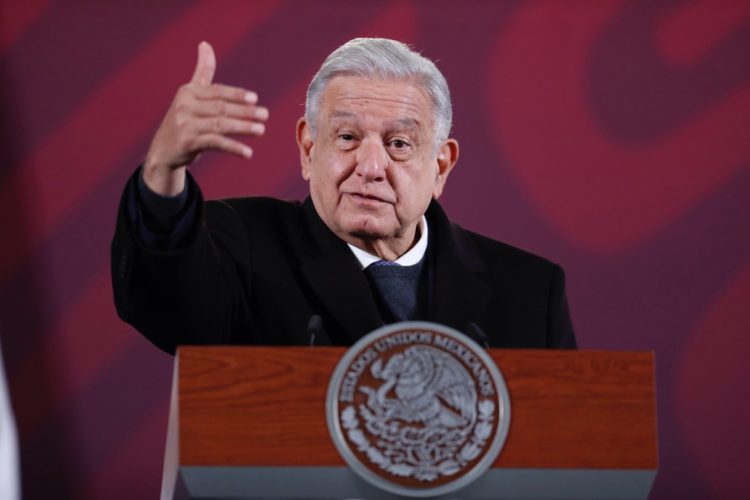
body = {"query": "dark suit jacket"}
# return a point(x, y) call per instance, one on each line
point(255, 270)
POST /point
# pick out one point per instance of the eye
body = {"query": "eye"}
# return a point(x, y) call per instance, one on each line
point(399, 148)
point(346, 140)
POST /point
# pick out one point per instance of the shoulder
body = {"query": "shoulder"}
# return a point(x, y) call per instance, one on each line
point(478, 251)
point(519, 277)
point(254, 206)
point(256, 212)
point(512, 265)
point(498, 253)
point(512, 272)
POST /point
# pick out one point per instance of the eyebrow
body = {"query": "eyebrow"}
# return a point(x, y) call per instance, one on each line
point(343, 114)
point(408, 123)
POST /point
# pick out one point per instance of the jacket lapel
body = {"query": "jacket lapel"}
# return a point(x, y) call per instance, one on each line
point(459, 293)
point(335, 277)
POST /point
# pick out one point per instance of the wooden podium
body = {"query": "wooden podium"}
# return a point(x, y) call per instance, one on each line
point(250, 422)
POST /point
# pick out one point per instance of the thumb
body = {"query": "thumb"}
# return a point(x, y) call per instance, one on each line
point(206, 65)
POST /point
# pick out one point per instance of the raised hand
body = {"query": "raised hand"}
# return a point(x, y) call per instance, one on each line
point(203, 116)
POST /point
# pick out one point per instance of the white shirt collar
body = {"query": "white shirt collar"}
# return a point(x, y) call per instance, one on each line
point(410, 258)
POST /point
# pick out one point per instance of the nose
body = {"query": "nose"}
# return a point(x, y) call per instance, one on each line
point(372, 160)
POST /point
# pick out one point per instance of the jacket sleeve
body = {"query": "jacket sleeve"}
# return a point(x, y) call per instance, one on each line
point(188, 284)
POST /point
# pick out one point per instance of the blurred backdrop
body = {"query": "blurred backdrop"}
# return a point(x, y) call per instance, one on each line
point(611, 137)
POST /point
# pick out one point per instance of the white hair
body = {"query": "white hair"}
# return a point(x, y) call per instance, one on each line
point(388, 60)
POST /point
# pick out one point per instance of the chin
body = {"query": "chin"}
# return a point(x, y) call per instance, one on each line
point(367, 228)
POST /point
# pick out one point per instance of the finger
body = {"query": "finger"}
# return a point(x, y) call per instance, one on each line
point(218, 91)
point(206, 65)
point(224, 125)
point(222, 143)
point(216, 107)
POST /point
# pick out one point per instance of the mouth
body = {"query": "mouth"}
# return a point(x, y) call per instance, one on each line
point(367, 198)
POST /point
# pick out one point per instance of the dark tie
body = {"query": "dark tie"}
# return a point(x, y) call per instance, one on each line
point(397, 285)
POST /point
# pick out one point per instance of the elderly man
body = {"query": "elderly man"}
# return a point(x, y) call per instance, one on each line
point(370, 245)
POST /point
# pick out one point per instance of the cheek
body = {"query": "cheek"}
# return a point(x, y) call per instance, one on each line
point(333, 168)
point(424, 183)
point(322, 174)
point(414, 192)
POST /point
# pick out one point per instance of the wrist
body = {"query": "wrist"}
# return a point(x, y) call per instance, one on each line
point(163, 180)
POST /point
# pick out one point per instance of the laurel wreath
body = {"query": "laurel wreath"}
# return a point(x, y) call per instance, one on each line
point(429, 471)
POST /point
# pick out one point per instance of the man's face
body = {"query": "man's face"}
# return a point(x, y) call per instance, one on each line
point(373, 166)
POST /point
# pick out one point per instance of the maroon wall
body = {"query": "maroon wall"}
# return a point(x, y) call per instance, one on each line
point(612, 137)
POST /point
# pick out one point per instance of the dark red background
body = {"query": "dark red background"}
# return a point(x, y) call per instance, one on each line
point(612, 137)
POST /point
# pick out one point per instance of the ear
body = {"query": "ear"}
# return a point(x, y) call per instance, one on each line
point(447, 157)
point(305, 142)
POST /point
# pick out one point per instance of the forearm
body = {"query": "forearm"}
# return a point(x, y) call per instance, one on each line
point(175, 283)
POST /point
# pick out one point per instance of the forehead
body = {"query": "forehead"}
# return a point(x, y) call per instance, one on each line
point(353, 97)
